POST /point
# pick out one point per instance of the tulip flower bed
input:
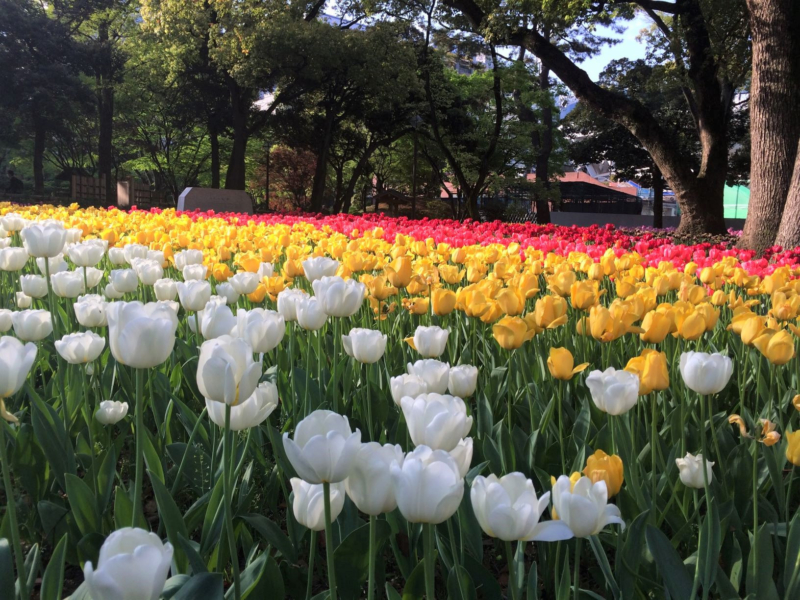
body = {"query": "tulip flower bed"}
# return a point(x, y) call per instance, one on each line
point(199, 406)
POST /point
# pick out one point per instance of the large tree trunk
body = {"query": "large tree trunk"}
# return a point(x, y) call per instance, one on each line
point(789, 232)
point(240, 106)
point(658, 199)
point(774, 117)
point(213, 136)
point(38, 157)
point(321, 172)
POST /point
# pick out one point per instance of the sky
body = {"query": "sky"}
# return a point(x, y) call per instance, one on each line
point(629, 47)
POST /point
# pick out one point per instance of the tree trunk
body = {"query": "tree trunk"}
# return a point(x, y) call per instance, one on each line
point(105, 111)
point(789, 232)
point(321, 172)
point(240, 106)
point(38, 158)
point(545, 149)
point(213, 136)
point(774, 121)
point(658, 199)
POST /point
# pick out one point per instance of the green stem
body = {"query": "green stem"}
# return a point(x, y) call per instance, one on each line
point(561, 441)
point(455, 556)
point(11, 510)
point(371, 582)
point(512, 572)
point(430, 561)
point(326, 492)
point(653, 435)
point(755, 507)
point(139, 433)
point(311, 555)
point(226, 484)
point(577, 568)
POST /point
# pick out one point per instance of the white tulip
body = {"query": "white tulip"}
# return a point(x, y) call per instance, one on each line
point(324, 447)
point(194, 294)
point(319, 267)
point(111, 412)
point(93, 276)
point(194, 272)
point(5, 319)
point(613, 392)
point(462, 380)
point(430, 342)
point(585, 509)
point(44, 239)
point(407, 385)
point(90, 311)
point(85, 254)
point(244, 283)
point(691, 471)
point(34, 286)
point(310, 315)
point(462, 454)
point(80, 348)
point(149, 271)
point(125, 281)
point(287, 303)
point(308, 503)
point(226, 371)
point(133, 251)
point(133, 565)
point(226, 291)
point(12, 222)
point(262, 329)
point(5, 242)
point(56, 264)
point(16, 360)
point(187, 257)
point(165, 289)
point(112, 293)
point(216, 320)
point(158, 256)
point(116, 256)
point(706, 373)
point(32, 325)
point(435, 374)
point(141, 336)
point(427, 486)
point(13, 259)
point(68, 284)
point(369, 484)
point(265, 270)
point(22, 300)
point(508, 509)
point(365, 345)
point(249, 413)
point(339, 298)
point(436, 421)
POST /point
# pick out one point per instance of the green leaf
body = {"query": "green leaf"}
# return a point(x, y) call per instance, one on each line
point(32, 563)
point(485, 582)
point(791, 567)
point(53, 580)
point(759, 576)
point(602, 560)
point(173, 521)
point(250, 577)
point(273, 535)
point(152, 458)
point(51, 515)
point(673, 572)
point(203, 586)
point(83, 505)
point(7, 578)
point(466, 591)
point(49, 430)
point(533, 582)
point(415, 584)
point(708, 550)
point(352, 557)
point(106, 477)
point(631, 555)
point(195, 560)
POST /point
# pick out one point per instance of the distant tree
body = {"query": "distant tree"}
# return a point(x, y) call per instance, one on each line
point(291, 175)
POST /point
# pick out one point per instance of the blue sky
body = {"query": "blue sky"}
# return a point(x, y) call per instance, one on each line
point(629, 47)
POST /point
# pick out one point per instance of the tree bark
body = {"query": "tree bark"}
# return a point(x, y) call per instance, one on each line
point(774, 120)
point(658, 199)
point(545, 150)
point(789, 232)
point(240, 107)
point(321, 172)
point(38, 157)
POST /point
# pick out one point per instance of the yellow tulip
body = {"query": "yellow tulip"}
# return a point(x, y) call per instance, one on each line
point(560, 283)
point(511, 332)
point(584, 294)
point(416, 306)
point(221, 272)
point(651, 367)
point(399, 272)
point(604, 467)
point(776, 346)
point(444, 301)
point(656, 327)
point(625, 288)
point(380, 288)
point(793, 448)
point(511, 301)
point(561, 363)
point(550, 312)
point(417, 286)
point(691, 326)
point(796, 402)
point(493, 312)
point(258, 296)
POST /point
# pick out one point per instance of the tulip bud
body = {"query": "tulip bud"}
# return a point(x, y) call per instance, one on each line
point(226, 371)
point(16, 360)
point(226, 291)
point(603, 467)
point(141, 336)
point(428, 486)
point(13, 259)
point(34, 286)
point(614, 392)
point(435, 420)
point(434, 373)
point(262, 329)
point(125, 281)
point(430, 342)
point(249, 413)
point(691, 470)
point(111, 412)
point(310, 315)
point(244, 283)
point(369, 484)
point(216, 320)
point(365, 345)
point(407, 385)
point(22, 300)
point(5, 319)
point(319, 267)
point(462, 380)
point(793, 448)
point(308, 504)
point(80, 348)
point(194, 272)
point(68, 284)
point(339, 298)
point(705, 373)
point(287, 303)
point(193, 294)
point(86, 254)
point(44, 240)
point(32, 325)
point(560, 364)
point(583, 506)
point(324, 447)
